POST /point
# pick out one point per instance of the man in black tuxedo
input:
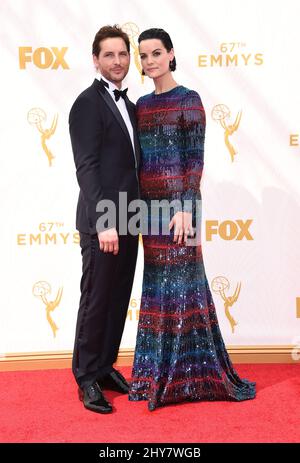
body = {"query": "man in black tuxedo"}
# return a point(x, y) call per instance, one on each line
point(106, 154)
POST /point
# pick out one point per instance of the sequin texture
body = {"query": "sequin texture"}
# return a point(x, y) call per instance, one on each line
point(180, 354)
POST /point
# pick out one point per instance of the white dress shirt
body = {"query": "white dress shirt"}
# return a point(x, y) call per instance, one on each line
point(120, 105)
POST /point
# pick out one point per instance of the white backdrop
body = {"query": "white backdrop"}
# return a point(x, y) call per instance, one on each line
point(241, 55)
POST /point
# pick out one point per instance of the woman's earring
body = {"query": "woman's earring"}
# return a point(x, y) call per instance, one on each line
point(143, 73)
point(172, 64)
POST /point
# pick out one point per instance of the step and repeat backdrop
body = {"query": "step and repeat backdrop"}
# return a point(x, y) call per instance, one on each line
point(243, 59)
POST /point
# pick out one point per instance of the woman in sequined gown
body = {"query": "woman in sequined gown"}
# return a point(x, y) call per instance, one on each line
point(180, 354)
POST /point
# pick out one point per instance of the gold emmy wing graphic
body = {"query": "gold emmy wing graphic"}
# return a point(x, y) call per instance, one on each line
point(298, 307)
point(40, 290)
point(219, 285)
point(132, 30)
point(219, 113)
point(36, 116)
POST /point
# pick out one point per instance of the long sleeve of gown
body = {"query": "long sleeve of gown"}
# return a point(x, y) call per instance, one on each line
point(193, 130)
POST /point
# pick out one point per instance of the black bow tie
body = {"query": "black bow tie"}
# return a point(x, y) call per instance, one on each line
point(120, 93)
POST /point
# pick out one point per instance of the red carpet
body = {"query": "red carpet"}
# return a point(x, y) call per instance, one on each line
point(42, 406)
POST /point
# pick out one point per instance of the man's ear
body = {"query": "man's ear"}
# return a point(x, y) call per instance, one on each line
point(95, 59)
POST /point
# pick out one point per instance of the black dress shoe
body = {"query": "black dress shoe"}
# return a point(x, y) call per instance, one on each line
point(94, 400)
point(114, 381)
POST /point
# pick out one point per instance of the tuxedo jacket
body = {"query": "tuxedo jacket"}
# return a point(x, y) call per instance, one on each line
point(106, 163)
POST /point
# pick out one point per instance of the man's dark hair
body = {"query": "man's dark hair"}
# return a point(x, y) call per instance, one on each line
point(107, 32)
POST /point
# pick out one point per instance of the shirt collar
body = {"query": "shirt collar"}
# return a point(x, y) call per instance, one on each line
point(112, 86)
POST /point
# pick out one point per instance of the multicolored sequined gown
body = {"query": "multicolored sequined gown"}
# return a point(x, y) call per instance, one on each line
point(180, 354)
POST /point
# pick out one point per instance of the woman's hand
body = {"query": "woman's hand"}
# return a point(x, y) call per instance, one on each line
point(182, 223)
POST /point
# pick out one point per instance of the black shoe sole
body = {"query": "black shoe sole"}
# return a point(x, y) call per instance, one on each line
point(96, 410)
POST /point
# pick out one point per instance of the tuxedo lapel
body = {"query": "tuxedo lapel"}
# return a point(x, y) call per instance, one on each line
point(112, 106)
point(131, 111)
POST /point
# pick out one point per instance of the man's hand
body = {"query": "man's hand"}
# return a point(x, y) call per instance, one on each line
point(182, 223)
point(109, 241)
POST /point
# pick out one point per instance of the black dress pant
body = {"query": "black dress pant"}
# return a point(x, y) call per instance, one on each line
point(105, 286)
